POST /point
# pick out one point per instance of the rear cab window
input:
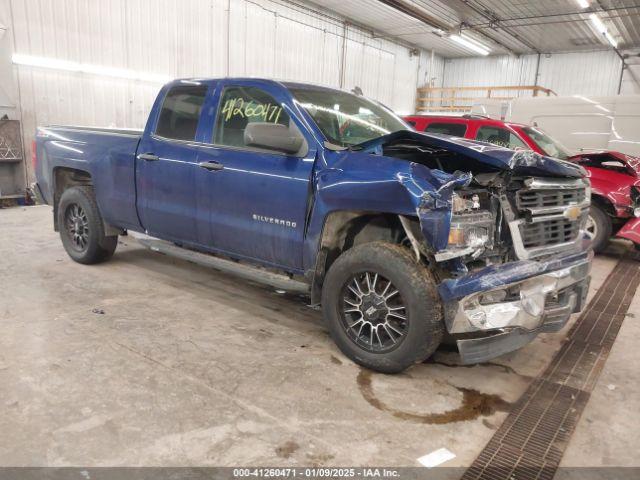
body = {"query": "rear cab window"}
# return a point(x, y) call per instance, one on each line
point(240, 106)
point(501, 137)
point(454, 129)
point(180, 112)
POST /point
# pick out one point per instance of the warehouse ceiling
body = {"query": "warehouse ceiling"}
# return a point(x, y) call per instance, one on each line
point(516, 26)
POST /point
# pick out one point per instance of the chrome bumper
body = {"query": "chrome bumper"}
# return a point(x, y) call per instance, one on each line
point(546, 299)
point(545, 304)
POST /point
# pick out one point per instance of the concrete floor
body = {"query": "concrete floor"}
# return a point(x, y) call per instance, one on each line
point(148, 360)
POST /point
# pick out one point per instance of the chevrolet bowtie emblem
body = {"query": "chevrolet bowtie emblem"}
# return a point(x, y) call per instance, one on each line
point(572, 213)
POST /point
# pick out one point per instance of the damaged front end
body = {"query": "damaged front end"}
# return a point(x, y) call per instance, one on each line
point(504, 231)
point(615, 179)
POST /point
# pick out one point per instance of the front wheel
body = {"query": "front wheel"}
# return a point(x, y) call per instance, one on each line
point(382, 307)
point(81, 227)
point(600, 227)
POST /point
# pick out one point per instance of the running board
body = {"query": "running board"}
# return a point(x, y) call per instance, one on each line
point(247, 272)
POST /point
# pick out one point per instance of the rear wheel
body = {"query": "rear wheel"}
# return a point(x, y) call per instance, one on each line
point(382, 307)
point(81, 227)
point(600, 227)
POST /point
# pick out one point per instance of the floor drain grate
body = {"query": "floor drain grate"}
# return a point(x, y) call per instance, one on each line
point(531, 441)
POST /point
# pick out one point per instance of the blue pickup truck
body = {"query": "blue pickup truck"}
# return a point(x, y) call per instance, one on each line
point(405, 239)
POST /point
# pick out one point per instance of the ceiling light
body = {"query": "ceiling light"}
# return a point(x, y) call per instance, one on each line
point(600, 26)
point(55, 64)
point(583, 3)
point(470, 44)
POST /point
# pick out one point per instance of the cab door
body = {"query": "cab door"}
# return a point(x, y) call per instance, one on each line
point(256, 199)
point(166, 166)
point(500, 136)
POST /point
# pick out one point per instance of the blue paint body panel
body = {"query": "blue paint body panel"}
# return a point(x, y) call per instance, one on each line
point(108, 156)
point(238, 210)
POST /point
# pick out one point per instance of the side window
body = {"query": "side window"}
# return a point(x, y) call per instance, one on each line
point(501, 137)
point(454, 129)
point(411, 122)
point(243, 105)
point(181, 111)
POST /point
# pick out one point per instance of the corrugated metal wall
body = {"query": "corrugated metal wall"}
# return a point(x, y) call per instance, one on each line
point(183, 38)
point(591, 73)
point(631, 80)
point(431, 72)
point(488, 71)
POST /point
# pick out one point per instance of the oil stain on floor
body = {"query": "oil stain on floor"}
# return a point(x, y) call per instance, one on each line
point(474, 404)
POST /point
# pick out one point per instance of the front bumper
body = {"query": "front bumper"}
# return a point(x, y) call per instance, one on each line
point(501, 308)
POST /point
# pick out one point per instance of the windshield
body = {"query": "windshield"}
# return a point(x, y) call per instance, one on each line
point(548, 145)
point(347, 119)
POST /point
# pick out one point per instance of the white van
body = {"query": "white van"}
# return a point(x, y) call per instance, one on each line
point(579, 122)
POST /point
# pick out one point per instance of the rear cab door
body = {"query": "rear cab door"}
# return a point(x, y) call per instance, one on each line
point(500, 135)
point(166, 163)
point(456, 127)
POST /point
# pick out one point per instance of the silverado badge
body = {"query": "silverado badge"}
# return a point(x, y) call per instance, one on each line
point(275, 221)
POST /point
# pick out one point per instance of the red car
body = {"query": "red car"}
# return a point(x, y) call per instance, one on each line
point(615, 177)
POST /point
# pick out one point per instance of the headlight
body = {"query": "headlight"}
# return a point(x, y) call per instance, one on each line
point(471, 230)
point(465, 204)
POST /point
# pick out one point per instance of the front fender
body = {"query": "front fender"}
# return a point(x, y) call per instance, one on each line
point(379, 184)
point(614, 187)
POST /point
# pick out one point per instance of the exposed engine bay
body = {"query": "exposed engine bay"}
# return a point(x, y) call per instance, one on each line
point(496, 215)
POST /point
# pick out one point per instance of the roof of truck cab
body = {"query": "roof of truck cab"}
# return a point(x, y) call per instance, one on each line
point(467, 119)
point(284, 83)
point(313, 86)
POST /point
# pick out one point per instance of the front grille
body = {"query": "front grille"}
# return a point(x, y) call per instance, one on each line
point(549, 232)
point(535, 199)
point(551, 214)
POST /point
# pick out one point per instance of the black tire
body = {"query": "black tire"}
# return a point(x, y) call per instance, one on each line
point(395, 264)
point(81, 227)
point(601, 226)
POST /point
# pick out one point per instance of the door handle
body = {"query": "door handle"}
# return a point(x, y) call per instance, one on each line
point(211, 165)
point(149, 157)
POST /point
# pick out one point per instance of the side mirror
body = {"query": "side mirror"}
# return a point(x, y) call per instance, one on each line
point(272, 136)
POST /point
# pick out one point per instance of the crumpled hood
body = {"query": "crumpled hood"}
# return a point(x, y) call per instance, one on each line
point(522, 162)
point(632, 163)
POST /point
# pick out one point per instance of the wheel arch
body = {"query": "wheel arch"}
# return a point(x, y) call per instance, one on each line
point(63, 179)
point(344, 229)
point(603, 203)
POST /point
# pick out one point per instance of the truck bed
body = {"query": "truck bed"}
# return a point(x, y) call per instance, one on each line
point(106, 130)
point(108, 154)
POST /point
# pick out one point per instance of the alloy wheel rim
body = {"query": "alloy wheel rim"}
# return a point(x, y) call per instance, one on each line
point(77, 225)
point(374, 314)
